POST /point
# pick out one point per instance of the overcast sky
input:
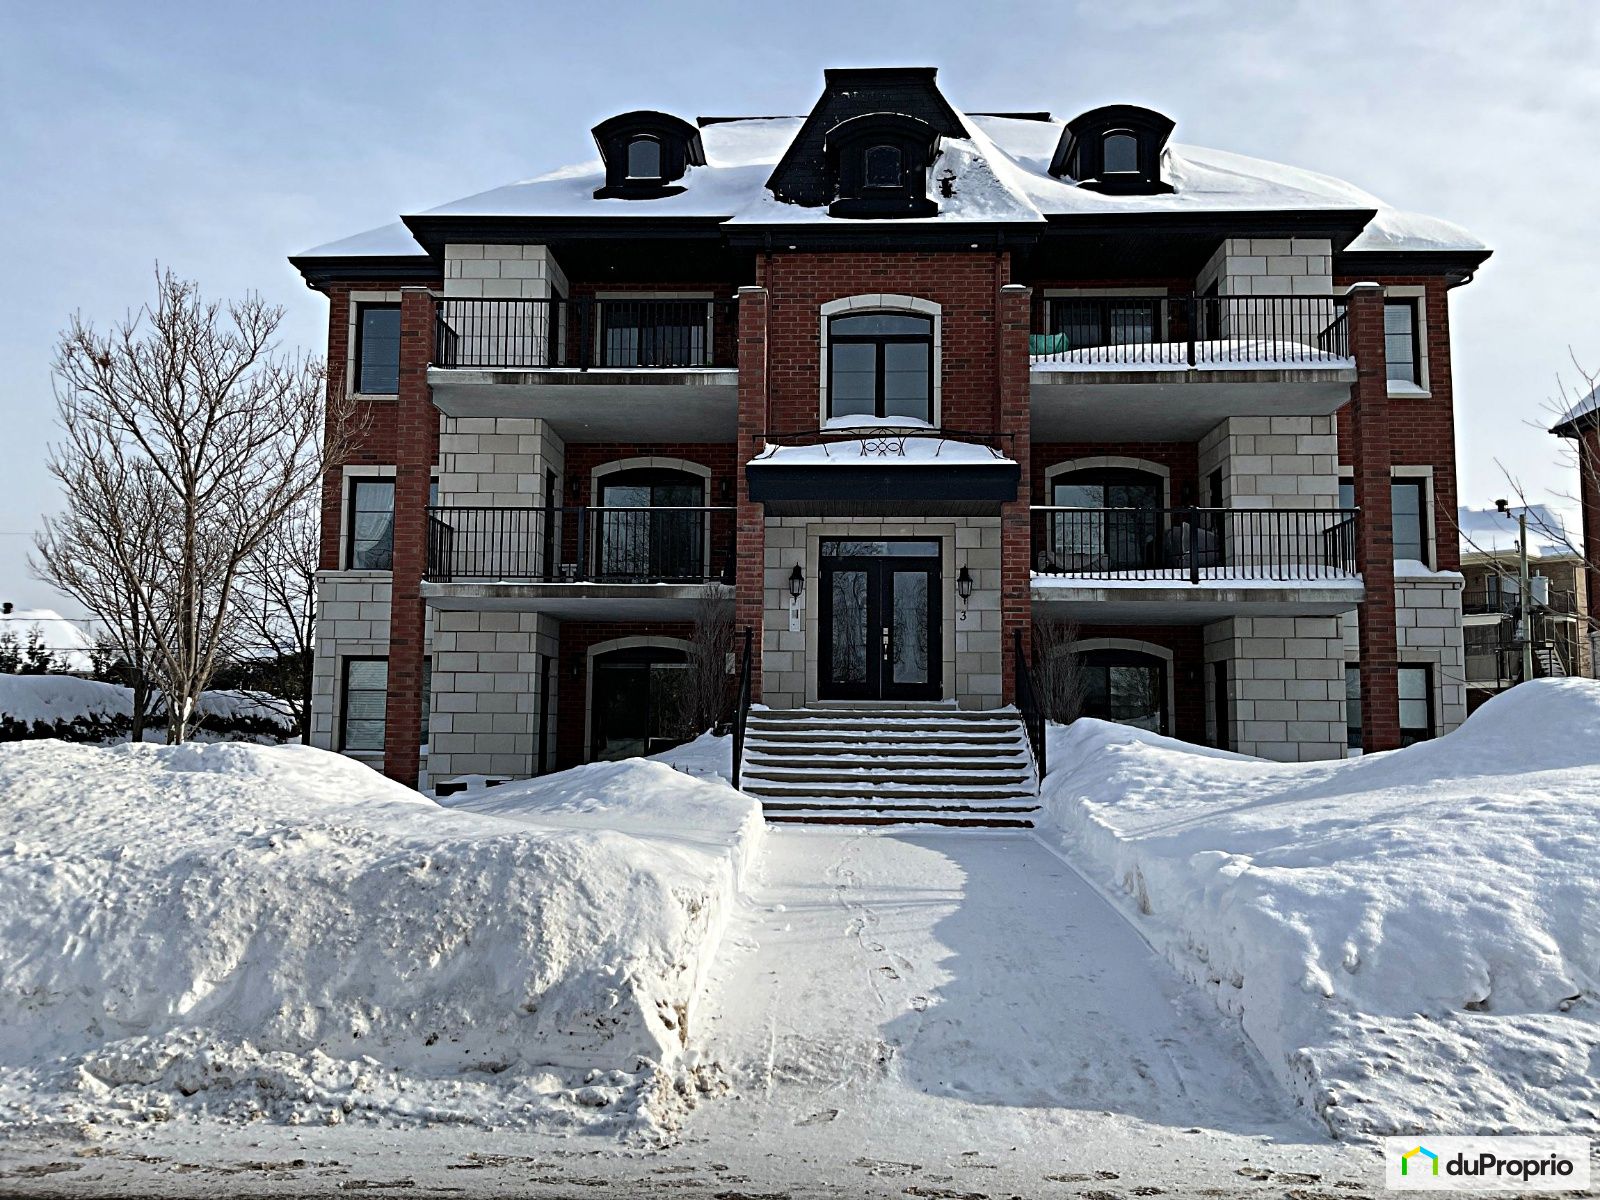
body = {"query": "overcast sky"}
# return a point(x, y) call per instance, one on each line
point(219, 138)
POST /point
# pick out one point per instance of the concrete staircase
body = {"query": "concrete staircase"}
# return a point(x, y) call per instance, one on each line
point(927, 764)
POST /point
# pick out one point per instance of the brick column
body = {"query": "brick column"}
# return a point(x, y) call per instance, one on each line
point(416, 424)
point(750, 539)
point(1368, 414)
point(1587, 445)
point(1016, 534)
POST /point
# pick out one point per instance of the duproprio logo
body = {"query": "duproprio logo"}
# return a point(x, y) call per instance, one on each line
point(1530, 1164)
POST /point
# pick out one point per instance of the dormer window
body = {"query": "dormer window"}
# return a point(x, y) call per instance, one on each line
point(883, 167)
point(644, 159)
point(879, 166)
point(1121, 153)
point(1116, 149)
point(646, 153)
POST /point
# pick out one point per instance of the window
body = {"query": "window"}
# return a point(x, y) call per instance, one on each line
point(371, 536)
point(654, 333)
point(1408, 498)
point(378, 349)
point(883, 167)
point(1347, 491)
point(1401, 347)
point(1088, 321)
point(1416, 704)
point(644, 158)
point(881, 365)
point(427, 697)
point(1121, 151)
point(366, 690)
point(1352, 705)
point(1126, 686)
point(640, 703)
point(1123, 538)
point(637, 543)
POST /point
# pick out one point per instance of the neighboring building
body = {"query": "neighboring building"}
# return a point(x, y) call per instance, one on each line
point(897, 381)
point(1492, 599)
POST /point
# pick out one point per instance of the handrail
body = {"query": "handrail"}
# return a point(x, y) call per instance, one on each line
point(1184, 331)
point(741, 709)
point(1033, 718)
point(618, 332)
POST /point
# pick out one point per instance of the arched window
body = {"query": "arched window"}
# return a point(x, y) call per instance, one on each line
point(1120, 150)
point(881, 365)
point(641, 538)
point(644, 158)
point(639, 702)
point(1118, 523)
point(1126, 686)
point(883, 168)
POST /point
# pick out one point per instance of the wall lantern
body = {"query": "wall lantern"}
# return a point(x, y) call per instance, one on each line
point(797, 582)
point(964, 589)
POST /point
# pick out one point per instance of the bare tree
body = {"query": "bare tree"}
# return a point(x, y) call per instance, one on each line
point(710, 650)
point(1059, 676)
point(277, 603)
point(186, 411)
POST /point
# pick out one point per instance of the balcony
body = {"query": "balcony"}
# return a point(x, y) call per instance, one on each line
point(1189, 566)
point(597, 370)
point(597, 563)
point(1171, 367)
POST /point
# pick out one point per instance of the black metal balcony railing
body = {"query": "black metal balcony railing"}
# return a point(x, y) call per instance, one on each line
point(1194, 544)
point(1190, 331)
point(615, 333)
point(581, 544)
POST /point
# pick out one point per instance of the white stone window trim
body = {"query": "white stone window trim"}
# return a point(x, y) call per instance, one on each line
point(655, 462)
point(350, 474)
point(354, 302)
point(1418, 295)
point(1085, 645)
point(632, 641)
point(1101, 462)
point(1430, 533)
point(881, 302)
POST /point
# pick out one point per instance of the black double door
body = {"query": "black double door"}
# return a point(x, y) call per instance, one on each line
point(880, 620)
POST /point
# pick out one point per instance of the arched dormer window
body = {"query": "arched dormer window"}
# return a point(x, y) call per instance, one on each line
point(646, 153)
point(879, 166)
point(1120, 151)
point(1115, 149)
point(644, 159)
point(882, 167)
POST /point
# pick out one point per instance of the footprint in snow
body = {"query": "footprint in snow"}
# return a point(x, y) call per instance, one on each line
point(819, 1118)
point(920, 1003)
point(889, 972)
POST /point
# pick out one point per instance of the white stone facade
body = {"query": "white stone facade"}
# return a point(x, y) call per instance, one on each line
point(352, 622)
point(1285, 692)
point(1269, 267)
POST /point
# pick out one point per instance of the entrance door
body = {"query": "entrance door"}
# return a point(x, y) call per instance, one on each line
point(880, 621)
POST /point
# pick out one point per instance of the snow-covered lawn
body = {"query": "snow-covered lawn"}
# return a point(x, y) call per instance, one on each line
point(87, 709)
point(246, 931)
point(1411, 939)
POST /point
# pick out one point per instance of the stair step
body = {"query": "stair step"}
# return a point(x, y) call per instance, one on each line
point(930, 817)
point(756, 762)
point(910, 712)
point(825, 804)
point(927, 778)
point(848, 791)
point(872, 736)
point(882, 751)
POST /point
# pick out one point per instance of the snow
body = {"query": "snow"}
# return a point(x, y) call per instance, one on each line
point(1421, 572)
point(1227, 354)
point(853, 452)
point(999, 174)
point(1411, 939)
point(69, 640)
point(1489, 531)
point(52, 699)
point(240, 931)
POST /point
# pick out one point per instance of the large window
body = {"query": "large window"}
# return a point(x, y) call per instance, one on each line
point(1416, 704)
point(1408, 498)
point(640, 702)
point(365, 695)
point(1352, 705)
point(1126, 686)
point(370, 539)
point(654, 333)
point(1089, 321)
point(378, 349)
point(881, 365)
point(1120, 525)
point(637, 543)
point(1401, 346)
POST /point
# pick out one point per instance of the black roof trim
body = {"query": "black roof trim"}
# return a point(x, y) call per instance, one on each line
point(1339, 225)
point(704, 121)
point(1461, 265)
point(1041, 115)
point(869, 235)
point(317, 271)
point(434, 231)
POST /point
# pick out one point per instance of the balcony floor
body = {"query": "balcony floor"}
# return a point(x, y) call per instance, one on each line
point(688, 404)
point(576, 601)
point(1163, 404)
point(1179, 602)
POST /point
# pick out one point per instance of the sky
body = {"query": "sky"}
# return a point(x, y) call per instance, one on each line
point(218, 138)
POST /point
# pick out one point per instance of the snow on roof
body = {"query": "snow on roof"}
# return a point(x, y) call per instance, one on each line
point(69, 641)
point(1488, 531)
point(1000, 173)
point(1582, 408)
point(857, 452)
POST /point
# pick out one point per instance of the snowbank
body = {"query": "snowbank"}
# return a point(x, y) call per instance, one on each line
point(1412, 939)
point(88, 710)
point(247, 931)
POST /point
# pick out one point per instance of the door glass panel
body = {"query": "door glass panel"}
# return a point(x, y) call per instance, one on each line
point(621, 711)
point(676, 544)
point(625, 536)
point(849, 651)
point(909, 632)
point(832, 548)
point(1133, 694)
